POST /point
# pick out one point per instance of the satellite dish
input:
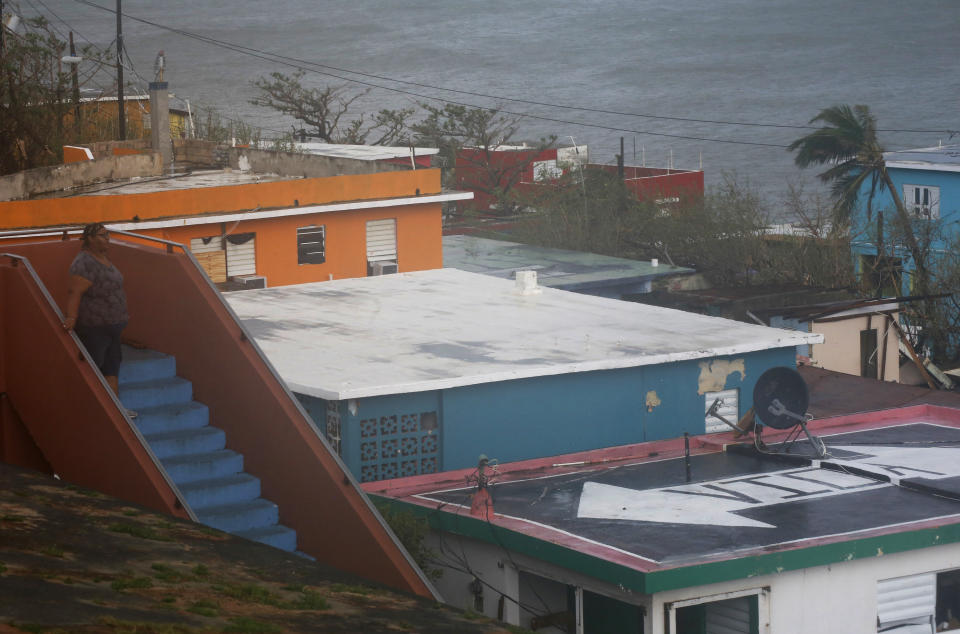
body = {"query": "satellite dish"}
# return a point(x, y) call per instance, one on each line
point(780, 401)
point(780, 398)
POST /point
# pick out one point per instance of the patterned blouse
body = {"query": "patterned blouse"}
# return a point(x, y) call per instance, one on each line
point(104, 303)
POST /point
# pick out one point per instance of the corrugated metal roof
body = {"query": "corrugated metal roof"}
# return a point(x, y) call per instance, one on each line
point(446, 328)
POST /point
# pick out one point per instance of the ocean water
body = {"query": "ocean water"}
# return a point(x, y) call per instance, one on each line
point(773, 62)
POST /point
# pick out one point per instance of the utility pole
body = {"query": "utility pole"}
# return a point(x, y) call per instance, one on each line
point(76, 88)
point(121, 111)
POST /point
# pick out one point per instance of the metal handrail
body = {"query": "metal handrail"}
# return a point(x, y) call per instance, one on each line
point(103, 382)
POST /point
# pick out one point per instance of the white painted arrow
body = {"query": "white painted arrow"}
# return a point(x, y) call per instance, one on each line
point(716, 502)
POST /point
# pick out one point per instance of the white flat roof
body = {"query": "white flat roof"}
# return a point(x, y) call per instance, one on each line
point(942, 158)
point(364, 152)
point(429, 330)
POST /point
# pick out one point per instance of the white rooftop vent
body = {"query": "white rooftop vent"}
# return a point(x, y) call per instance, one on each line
point(527, 283)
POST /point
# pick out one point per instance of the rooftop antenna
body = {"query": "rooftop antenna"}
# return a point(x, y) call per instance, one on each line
point(158, 65)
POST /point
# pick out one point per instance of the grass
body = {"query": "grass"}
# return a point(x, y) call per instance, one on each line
point(201, 571)
point(310, 600)
point(167, 574)
point(204, 608)
point(3, 568)
point(139, 530)
point(52, 550)
point(11, 518)
point(250, 626)
point(131, 583)
point(355, 589)
point(134, 627)
point(252, 593)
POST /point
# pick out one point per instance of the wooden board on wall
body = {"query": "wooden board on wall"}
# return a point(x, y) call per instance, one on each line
point(215, 264)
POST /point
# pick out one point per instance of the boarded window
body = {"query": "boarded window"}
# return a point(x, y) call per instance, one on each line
point(312, 245)
point(239, 251)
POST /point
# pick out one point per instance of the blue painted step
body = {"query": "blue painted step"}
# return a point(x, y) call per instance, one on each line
point(194, 454)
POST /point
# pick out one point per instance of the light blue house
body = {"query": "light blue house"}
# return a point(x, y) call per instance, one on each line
point(928, 182)
point(423, 372)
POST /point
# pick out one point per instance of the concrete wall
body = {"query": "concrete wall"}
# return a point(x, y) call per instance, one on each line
point(106, 149)
point(182, 202)
point(305, 165)
point(418, 242)
point(949, 184)
point(836, 599)
point(840, 350)
point(553, 415)
point(840, 598)
point(43, 180)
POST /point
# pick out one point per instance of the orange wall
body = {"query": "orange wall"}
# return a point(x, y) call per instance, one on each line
point(57, 401)
point(73, 154)
point(419, 242)
point(173, 309)
point(308, 191)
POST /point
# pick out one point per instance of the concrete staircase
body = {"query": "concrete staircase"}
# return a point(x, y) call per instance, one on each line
point(194, 453)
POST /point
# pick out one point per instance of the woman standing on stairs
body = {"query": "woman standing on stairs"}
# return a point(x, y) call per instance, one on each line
point(96, 303)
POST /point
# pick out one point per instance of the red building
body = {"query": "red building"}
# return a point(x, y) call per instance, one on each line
point(487, 172)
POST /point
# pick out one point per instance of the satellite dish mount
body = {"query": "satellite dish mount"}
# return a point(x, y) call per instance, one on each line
point(780, 400)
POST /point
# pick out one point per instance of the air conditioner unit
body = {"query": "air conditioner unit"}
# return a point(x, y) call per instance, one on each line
point(251, 281)
point(383, 268)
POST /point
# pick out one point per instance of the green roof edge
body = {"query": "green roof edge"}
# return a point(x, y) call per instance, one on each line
point(681, 576)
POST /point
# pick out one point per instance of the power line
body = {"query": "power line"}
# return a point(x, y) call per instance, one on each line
point(297, 62)
point(280, 60)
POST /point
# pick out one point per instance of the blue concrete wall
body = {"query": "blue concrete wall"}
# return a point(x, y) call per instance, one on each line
point(793, 324)
point(864, 229)
point(537, 417)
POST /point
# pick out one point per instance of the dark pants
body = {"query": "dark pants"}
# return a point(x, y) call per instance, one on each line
point(103, 345)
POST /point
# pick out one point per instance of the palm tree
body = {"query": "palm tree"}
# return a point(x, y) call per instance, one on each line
point(848, 143)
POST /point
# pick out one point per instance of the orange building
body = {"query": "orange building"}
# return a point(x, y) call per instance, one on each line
point(274, 220)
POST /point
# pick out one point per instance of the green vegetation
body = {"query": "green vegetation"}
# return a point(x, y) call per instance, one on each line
point(353, 589)
point(411, 531)
point(52, 550)
point(204, 608)
point(252, 593)
point(201, 571)
point(139, 530)
point(246, 625)
point(168, 574)
point(131, 583)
